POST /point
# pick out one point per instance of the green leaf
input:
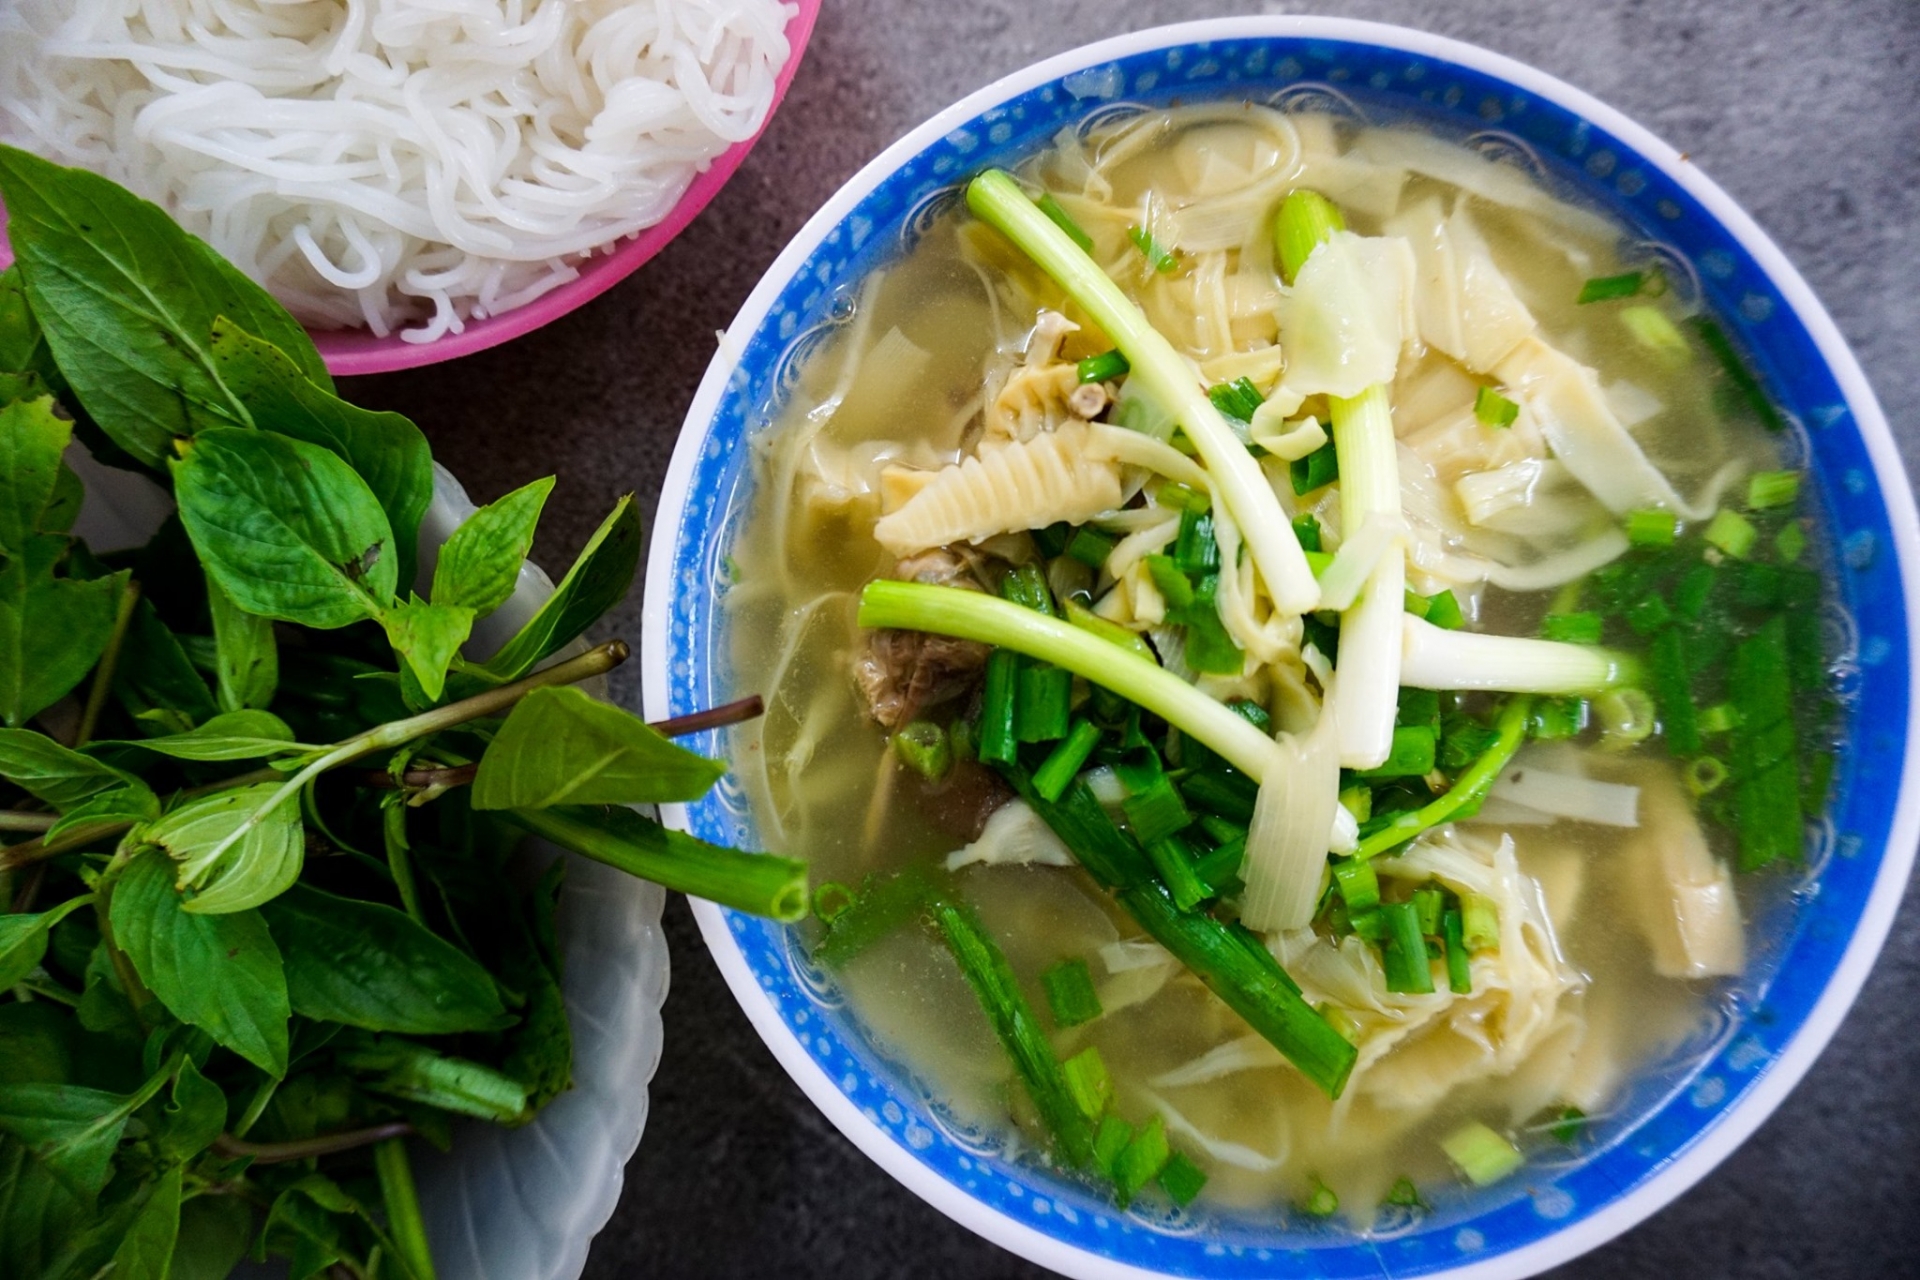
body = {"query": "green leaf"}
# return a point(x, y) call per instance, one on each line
point(146, 1253)
point(301, 1226)
point(53, 774)
point(288, 530)
point(385, 448)
point(195, 1114)
point(155, 675)
point(480, 564)
point(52, 630)
point(416, 1073)
point(540, 1049)
point(428, 636)
point(37, 1043)
point(104, 1008)
point(225, 874)
point(23, 939)
point(72, 1130)
point(214, 1234)
point(32, 439)
point(128, 301)
point(231, 735)
point(23, 348)
point(136, 803)
point(39, 1217)
point(598, 580)
point(63, 508)
point(221, 973)
point(370, 966)
point(560, 746)
point(246, 659)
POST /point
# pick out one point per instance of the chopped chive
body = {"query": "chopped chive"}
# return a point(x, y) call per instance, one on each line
point(1142, 1161)
point(1568, 1125)
point(1052, 539)
point(1417, 605)
point(1481, 1154)
point(1221, 829)
point(1088, 1082)
point(1405, 950)
point(1469, 788)
point(1182, 1180)
point(1652, 528)
point(1648, 614)
point(1705, 774)
point(1494, 409)
point(1175, 862)
point(1109, 1141)
point(1305, 220)
point(1070, 993)
point(1064, 220)
point(1174, 586)
point(1238, 399)
point(1428, 904)
point(1158, 256)
point(1654, 330)
point(1767, 489)
point(1410, 756)
point(1418, 707)
point(1790, 542)
point(1210, 649)
point(1459, 970)
point(923, 747)
point(1371, 925)
point(1156, 811)
point(1315, 471)
point(1671, 678)
point(1479, 923)
point(1104, 367)
point(1572, 628)
point(1321, 1202)
point(1307, 529)
point(1091, 546)
point(998, 703)
point(1690, 593)
point(986, 970)
point(1063, 764)
point(1443, 611)
point(1404, 1195)
point(1557, 719)
point(1358, 883)
point(1320, 562)
point(1044, 707)
point(1027, 585)
point(1219, 870)
point(1744, 383)
point(1231, 795)
point(1609, 288)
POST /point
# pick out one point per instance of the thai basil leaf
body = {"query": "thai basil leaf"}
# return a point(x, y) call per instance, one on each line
point(303, 1231)
point(480, 563)
point(36, 1043)
point(53, 774)
point(23, 348)
point(560, 746)
point(146, 1251)
point(429, 637)
point(386, 449)
point(52, 630)
point(370, 966)
point(72, 1130)
point(127, 301)
point(231, 735)
point(598, 581)
point(104, 1007)
point(194, 1116)
point(540, 1049)
point(23, 939)
point(221, 973)
point(155, 680)
point(214, 1234)
point(32, 439)
point(287, 529)
point(232, 877)
point(63, 508)
point(246, 659)
point(415, 1073)
point(39, 1217)
point(131, 804)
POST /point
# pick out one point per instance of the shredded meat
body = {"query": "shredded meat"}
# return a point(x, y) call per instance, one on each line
point(902, 673)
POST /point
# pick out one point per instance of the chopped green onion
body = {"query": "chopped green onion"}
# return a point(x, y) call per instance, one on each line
point(1178, 497)
point(1220, 869)
point(1305, 220)
point(1648, 614)
point(1556, 719)
point(1104, 367)
point(1410, 756)
point(880, 907)
point(1371, 925)
point(1045, 704)
point(1222, 829)
point(1404, 1195)
point(1609, 288)
point(1018, 1028)
point(1052, 539)
point(1652, 528)
point(1178, 870)
point(1109, 1141)
point(998, 703)
point(1718, 718)
point(1321, 1202)
point(1089, 621)
point(1459, 970)
point(1626, 716)
point(1238, 399)
point(1469, 789)
point(1428, 904)
point(923, 747)
point(1064, 220)
point(1194, 548)
point(1405, 950)
point(1744, 383)
point(1481, 1154)
point(1070, 993)
point(1210, 649)
point(1315, 471)
point(1156, 811)
point(1767, 489)
point(1158, 256)
point(1670, 680)
point(1182, 1180)
point(1418, 707)
point(1358, 884)
point(960, 740)
point(1064, 763)
point(1479, 923)
point(1572, 628)
point(1654, 330)
point(1494, 409)
point(1790, 542)
point(1767, 807)
point(1417, 605)
point(1690, 594)
point(1026, 585)
point(1231, 795)
point(1307, 528)
point(1088, 1082)
point(1091, 546)
point(1142, 1161)
point(1174, 585)
point(1252, 712)
point(1568, 1125)
point(1443, 611)
point(1705, 774)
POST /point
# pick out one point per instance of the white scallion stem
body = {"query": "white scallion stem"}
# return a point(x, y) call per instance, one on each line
point(1433, 658)
point(1369, 666)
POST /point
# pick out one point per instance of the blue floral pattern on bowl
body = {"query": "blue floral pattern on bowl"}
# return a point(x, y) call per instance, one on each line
point(1796, 947)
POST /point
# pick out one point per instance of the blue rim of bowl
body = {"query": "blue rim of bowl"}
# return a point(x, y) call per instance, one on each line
point(1674, 1126)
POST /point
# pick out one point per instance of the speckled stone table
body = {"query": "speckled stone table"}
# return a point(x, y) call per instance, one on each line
point(1806, 110)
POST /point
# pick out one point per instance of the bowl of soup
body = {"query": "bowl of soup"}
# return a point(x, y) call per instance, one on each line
point(1335, 622)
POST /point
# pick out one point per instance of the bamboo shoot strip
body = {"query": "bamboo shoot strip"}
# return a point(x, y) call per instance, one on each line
point(1166, 378)
point(1468, 790)
point(1018, 1027)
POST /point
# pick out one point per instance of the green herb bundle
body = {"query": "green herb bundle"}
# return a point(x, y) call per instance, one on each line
point(264, 917)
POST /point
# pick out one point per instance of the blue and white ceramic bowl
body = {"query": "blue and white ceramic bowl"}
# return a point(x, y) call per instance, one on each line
point(1811, 956)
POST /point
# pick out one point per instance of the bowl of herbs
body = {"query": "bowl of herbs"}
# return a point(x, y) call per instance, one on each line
point(282, 973)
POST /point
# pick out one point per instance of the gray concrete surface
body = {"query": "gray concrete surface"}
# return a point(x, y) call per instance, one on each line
point(1807, 112)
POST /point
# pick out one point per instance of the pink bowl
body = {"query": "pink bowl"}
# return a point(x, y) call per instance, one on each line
point(355, 351)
